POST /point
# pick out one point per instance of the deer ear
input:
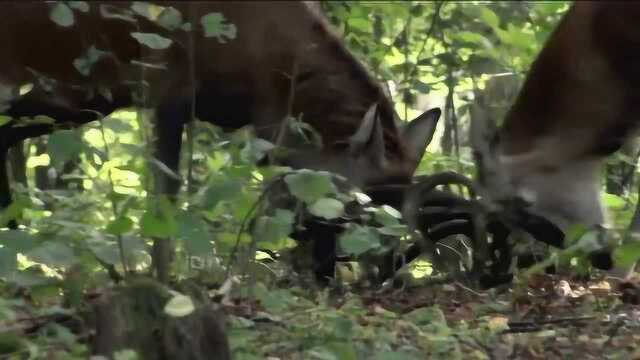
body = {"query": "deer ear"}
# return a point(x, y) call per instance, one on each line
point(369, 139)
point(418, 133)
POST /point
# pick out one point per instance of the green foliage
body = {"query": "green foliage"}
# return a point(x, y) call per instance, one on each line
point(310, 186)
point(358, 240)
point(152, 41)
point(215, 25)
point(422, 53)
point(63, 146)
point(62, 14)
point(272, 232)
point(327, 208)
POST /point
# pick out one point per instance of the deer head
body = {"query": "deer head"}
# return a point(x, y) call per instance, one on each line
point(364, 158)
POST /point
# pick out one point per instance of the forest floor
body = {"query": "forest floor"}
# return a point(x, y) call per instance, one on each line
point(547, 318)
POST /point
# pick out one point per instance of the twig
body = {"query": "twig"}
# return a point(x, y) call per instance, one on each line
point(243, 225)
point(533, 326)
point(434, 20)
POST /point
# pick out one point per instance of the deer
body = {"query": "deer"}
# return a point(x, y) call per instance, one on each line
point(579, 104)
point(261, 63)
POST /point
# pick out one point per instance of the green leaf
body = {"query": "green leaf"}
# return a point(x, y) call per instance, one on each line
point(421, 87)
point(30, 277)
point(144, 9)
point(179, 306)
point(327, 208)
point(276, 300)
point(361, 24)
point(18, 240)
point(113, 12)
point(214, 26)
point(55, 254)
point(118, 126)
point(474, 38)
point(343, 350)
point(387, 216)
point(519, 38)
point(362, 198)
point(8, 261)
point(106, 251)
point(340, 326)
point(132, 246)
point(394, 230)
point(64, 145)
point(358, 239)
point(222, 188)
point(489, 17)
point(392, 355)
point(62, 15)
point(79, 5)
point(273, 231)
point(152, 40)
point(85, 64)
point(159, 222)
point(309, 186)
point(255, 149)
point(627, 254)
point(170, 19)
point(5, 119)
point(613, 202)
point(126, 354)
point(120, 226)
point(192, 230)
point(427, 315)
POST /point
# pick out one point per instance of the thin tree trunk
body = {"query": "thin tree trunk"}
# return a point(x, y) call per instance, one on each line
point(18, 164)
point(5, 187)
point(450, 130)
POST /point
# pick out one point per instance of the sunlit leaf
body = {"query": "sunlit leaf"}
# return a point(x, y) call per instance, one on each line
point(489, 17)
point(53, 254)
point(4, 120)
point(120, 226)
point(627, 254)
point(327, 208)
point(179, 306)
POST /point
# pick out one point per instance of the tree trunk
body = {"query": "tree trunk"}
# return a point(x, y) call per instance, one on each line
point(18, 164)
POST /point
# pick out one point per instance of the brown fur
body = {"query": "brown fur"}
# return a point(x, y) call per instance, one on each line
point(583, 87)
point(237, 82)
point(333, 90)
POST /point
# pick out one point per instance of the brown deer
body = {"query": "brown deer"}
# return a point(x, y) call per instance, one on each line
point(579, 104)
point(257, 64)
